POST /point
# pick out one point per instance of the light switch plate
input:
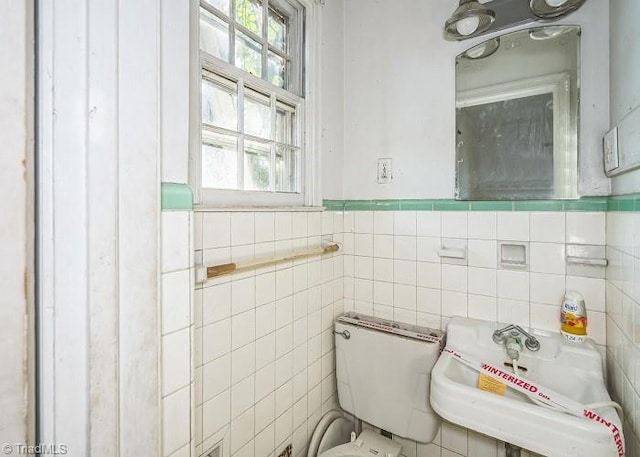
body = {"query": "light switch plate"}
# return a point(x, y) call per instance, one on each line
point(610, 151)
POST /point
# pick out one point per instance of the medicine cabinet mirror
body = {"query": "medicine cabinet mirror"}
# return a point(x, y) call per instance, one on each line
point(517, 98)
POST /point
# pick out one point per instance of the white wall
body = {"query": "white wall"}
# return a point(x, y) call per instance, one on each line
point(400, 91)
point(399, 94)
point(333, 100)
point(625, 63)
point(16, 222)
point(625, 74)
point(99, 141)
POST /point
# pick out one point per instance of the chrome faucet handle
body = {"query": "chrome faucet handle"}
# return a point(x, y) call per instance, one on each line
point(499, 335)
point(532, 344)
point(530, 341)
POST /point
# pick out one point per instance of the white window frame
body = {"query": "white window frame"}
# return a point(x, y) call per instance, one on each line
point(307, 108)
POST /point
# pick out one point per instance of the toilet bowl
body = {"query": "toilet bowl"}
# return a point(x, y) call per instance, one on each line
point(383, 376)
point(333, 430)
point(368, 444)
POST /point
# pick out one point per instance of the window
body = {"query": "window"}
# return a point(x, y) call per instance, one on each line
point(252, 105)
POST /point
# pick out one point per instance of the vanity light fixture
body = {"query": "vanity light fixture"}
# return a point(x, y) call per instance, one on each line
point(551, 9)
point(470, 19)
point(482, 50)
point(547, 33)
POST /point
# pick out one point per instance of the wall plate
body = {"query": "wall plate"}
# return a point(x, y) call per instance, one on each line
point(627, 140)
point(610, 152)
point(385, 171)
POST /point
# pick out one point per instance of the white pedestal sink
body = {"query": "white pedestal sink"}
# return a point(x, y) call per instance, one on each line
point(571, 370)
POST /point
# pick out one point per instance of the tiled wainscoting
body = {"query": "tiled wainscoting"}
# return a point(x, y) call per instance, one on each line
point(264, 350)
point(392, 270)
point(623, 319)
point(177, 378)
point(248, 359)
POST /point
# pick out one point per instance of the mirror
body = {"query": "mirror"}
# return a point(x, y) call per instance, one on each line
point(517, 98)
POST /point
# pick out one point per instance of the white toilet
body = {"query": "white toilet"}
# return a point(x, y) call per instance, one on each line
point(383, 372)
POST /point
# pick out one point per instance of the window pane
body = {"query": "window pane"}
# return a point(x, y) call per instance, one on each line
point(214, 35)
point(285, 124)
point(287, 176)
point(248, 54)
point(276, 69)
point(219, 161)
point(220, 5)
point(257, 115)
point(257, 165)
point(219, 105)
point(249, 15)
point(277, 33)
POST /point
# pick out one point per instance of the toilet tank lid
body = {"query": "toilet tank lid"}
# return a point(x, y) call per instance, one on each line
point(415, 332)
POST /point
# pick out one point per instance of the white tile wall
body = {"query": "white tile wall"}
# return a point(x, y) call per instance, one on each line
point(264, 361)
point(409, 282)
point(264, 343)
point(177, 374)
point(623, 318)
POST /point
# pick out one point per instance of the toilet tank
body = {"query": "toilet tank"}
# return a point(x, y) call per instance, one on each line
point(383, 372)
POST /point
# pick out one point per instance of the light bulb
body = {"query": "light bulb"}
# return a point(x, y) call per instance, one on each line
point(468, 25)
point(476, 51)
point(555, 3)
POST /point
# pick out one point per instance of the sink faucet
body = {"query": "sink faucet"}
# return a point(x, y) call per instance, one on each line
point(510, 337)
point(513, 345)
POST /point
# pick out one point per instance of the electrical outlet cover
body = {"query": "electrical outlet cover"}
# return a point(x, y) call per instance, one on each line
point(385, 171)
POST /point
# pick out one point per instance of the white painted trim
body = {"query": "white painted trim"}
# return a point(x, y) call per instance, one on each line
point(313, 103)
point(99, 214)
point(311, 192)
point(195, 75)
point(102, 233)
point(17, 224)
point(139, 228)
point(46, 268)
point(62, 263)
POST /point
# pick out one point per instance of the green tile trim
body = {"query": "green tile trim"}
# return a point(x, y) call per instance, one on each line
point(450, 205)
point(357, 205)
point(586, 204)
point(491, 206)
point(538, 205)
point(385, 205)
point(333, 205)
point(629, 202)
point(626, 205)
point(176, 197)
point(416, 205)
